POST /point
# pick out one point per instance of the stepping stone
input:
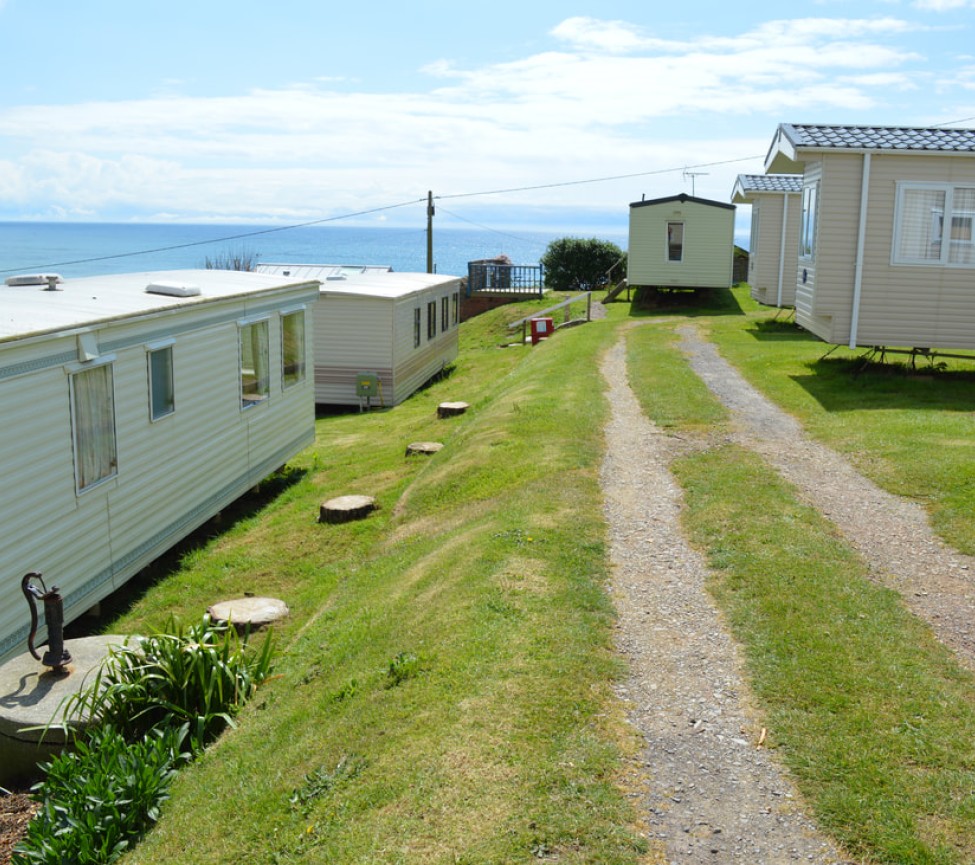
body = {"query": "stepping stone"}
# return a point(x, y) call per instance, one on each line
point(346, 508)
point(449, 409)
point(249, 612)
point(423, 448)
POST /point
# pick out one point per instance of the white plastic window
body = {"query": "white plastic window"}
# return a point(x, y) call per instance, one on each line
point(93, 419)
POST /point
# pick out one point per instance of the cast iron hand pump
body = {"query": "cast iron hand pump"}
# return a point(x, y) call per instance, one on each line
point(56, 656)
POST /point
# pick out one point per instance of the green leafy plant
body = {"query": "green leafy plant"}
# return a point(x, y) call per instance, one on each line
point(98, 799)
point(322, 781)
point(404, 666)
point(199, 676)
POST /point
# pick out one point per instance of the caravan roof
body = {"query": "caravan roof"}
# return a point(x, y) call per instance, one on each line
point(38, 308)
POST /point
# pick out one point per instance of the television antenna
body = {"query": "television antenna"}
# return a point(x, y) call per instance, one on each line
point(692, 175)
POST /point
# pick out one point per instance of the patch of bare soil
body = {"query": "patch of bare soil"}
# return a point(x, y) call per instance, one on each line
point(16, 812)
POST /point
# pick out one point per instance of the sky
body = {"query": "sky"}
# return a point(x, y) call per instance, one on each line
point(537, 115)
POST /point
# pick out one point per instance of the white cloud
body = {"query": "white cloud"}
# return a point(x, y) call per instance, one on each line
point(614, 100)
point(943, 5)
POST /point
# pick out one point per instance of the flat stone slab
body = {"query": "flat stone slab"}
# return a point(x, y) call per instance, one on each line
point(449, 409)
point(346, 508)
point(33, 697)
point(249, 612)
point(423, 448)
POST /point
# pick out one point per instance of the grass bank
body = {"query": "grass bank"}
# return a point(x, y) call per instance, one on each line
point(443, 688)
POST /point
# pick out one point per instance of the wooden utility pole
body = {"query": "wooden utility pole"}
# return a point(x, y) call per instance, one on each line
point(430, 212)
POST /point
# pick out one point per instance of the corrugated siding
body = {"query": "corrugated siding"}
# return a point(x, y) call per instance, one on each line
point(363, 334)
point(764, 266)
point(900, 305)
point(173, 474)
point(931, 307)
point(415, 366)
point(352, 335)
point(708, 245)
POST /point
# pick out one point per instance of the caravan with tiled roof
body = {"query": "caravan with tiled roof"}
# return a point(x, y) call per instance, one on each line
point(886, 254)
point(774, 242)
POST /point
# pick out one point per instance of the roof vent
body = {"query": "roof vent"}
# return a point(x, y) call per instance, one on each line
point(340, 278)
point(173, 289)
point(48, 279)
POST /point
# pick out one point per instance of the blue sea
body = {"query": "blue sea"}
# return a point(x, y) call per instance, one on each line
point(89, 249)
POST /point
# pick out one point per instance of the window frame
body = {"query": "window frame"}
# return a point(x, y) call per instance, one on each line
point(455, 307)
point(431, 319)
point(264, 394)
point(301, 362)
point(417, 326)
point(809, 220)
point(671, 225)
point(153, 349)
point(75, 373)
point(938, 217)
point(444, 314)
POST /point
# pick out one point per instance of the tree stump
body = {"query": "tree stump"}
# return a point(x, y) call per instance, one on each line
point(248, 612)
point(449, 409)
point(344, 509)
point(423, 448)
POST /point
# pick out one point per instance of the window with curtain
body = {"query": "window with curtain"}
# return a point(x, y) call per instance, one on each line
point(93, 417)
point(254, 364)
point(161, 392)
point(933, 224)
point(293, 348)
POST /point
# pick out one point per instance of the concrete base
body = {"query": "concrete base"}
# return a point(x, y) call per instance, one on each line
point(33, 726)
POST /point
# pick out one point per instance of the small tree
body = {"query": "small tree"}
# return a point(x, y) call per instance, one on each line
point(575, 263)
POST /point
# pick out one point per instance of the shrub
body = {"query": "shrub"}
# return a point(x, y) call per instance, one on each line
point(572, 263)
point(100, 798)
point(200, 676)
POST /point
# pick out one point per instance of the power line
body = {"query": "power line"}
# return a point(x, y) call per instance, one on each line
point(240, 236)
point(598, 179)
point(322, 221)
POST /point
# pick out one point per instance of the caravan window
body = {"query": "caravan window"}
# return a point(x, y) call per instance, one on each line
point(431, 319)
point(807, 230)
point(444, 314)
point(416, 327)
point(161, 393)
point(93, 421)
point(292, 348)
point(675, 241)
point(455, 302)
point(933, 224)
point(254, 363)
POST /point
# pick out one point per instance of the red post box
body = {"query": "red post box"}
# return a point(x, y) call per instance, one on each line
point(541, 329)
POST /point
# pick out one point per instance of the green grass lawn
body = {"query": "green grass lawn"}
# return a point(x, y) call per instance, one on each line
point(443, 686)
point(443, 690)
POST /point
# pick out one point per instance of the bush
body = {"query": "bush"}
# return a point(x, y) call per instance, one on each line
point(572, 263)
point(158, 701)
point(200, 676)
point(100, 798)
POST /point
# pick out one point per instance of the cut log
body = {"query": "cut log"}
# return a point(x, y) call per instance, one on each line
point(423, 448)
point(344, 509)
point(449, 409)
